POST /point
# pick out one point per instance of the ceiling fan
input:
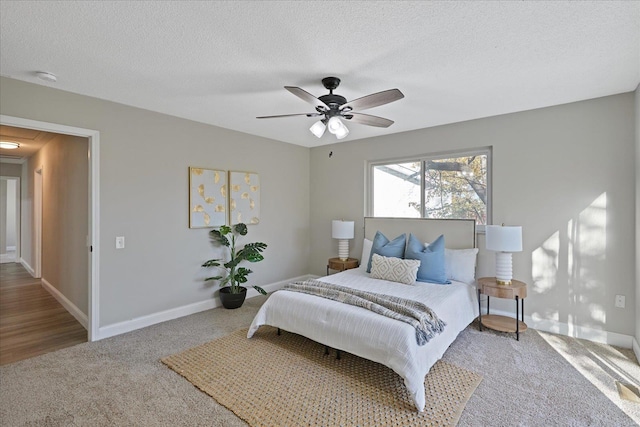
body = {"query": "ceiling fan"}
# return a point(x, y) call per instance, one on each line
point(333, 107)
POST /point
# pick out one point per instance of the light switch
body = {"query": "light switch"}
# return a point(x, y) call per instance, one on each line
point(120, 242)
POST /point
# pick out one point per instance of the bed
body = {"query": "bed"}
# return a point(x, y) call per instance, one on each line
point(370, 335)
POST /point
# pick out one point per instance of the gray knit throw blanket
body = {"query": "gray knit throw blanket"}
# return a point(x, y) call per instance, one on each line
point(422, 318)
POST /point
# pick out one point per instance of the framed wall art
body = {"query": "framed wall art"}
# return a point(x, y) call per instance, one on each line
point(207, 197)
point(244, 197)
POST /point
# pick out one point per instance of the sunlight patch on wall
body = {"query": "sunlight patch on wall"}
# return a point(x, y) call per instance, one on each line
point(569, 264)
point(587, 240)
point(545, 264)
point(597, 312)
point(587, 248)
point(592, 223)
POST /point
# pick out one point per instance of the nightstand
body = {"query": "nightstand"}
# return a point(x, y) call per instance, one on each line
point(516, 290)
point(339, 265)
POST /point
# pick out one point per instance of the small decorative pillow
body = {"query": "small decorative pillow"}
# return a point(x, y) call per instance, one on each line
point(382, 246)
point(460, 264)
point(431, 258)
point(394, 269)
point(366, 252)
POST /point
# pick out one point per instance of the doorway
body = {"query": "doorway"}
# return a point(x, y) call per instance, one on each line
point(93, 137)
point(9, 219)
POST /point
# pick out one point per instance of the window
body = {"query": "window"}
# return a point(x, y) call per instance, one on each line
point(449, 185)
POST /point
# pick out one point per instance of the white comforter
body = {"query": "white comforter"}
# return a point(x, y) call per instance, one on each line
point(370, 335)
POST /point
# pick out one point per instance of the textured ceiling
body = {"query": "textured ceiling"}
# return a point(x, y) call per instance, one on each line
point(224, 63)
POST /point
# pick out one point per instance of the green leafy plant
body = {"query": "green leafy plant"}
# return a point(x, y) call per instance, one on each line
point(251, 252)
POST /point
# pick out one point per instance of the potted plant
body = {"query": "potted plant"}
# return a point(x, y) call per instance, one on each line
point(233, 295)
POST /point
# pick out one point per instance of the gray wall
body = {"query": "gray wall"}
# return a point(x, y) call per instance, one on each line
point(144, 160)
point(565, 173)
point(10, 169)
point(65, 213)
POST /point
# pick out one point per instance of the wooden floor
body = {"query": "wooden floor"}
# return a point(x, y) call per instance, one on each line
point(32, 322)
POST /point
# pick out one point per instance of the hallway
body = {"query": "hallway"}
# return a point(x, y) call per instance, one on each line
point(32, 322)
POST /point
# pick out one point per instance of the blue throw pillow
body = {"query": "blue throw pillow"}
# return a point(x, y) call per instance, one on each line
point(382, 246)
point(431, 260)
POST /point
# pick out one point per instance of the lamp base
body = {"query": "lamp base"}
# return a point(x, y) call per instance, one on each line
point(504, 271)
point(343, 249)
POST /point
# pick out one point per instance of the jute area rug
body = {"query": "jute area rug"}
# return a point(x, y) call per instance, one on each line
point(287, 380)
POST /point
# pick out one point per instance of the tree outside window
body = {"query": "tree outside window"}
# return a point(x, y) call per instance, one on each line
point(455, 187)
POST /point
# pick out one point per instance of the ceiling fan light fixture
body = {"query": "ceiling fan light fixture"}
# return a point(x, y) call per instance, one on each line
point(337, 128)
point(334, 125)
point(342, 133)
point(332, 107)
point(318, 128)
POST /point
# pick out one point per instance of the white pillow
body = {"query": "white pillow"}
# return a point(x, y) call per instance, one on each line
point(394, 269)
point(366, 253)
point(460, 264)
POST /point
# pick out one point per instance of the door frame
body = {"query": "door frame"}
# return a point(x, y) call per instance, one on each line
point(37, 221)
point(93, 233)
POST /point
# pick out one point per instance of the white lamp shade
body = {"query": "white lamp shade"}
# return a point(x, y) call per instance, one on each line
point(501, 238)
point(342, 229)
point(334, 125)
point(318, 128)
point(342, 132)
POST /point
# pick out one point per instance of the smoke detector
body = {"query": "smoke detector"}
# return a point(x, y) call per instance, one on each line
point(47, 77)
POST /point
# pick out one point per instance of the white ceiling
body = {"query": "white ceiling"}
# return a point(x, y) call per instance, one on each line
point(224, 63)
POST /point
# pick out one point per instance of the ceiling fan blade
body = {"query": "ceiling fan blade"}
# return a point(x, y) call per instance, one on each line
point(306, 96)
point(291, 115)
point(367, 119)
point(374, 100)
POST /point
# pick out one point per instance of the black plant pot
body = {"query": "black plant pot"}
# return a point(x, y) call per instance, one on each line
point(230, 300)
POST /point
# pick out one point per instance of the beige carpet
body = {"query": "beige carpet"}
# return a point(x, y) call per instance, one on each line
point(540, 381)
point(286, 380)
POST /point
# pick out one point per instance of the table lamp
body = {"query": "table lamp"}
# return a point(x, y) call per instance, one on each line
point(503, 240)
point(343, 231)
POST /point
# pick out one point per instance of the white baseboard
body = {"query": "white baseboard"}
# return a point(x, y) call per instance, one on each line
point(27, 267)
point(174, 313)
point(611, 338)
point(582, 332)
point(6, 258)
point(68, 305)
